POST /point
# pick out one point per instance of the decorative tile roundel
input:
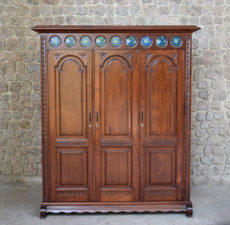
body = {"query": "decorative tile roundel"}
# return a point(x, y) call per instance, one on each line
point(86, 41)
point(161, 41)
point(101, 41)
point(176, 42)
point(131, 41)
point(116, 41)
point(55, 41)
point(70, 41)
point(146, 41)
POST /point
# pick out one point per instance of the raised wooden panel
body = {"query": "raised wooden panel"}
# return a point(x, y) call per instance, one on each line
point(161, 95)
point(160, 166)
point(71, 97)
point(160, 174)
point(116, 98)
point(116, 166)
point(73, 167)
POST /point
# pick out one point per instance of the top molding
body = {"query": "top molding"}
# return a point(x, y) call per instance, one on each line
point(117, 29)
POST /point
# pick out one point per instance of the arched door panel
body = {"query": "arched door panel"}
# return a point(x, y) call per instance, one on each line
point(161, 125)
point(70, 125)
point(116, 130)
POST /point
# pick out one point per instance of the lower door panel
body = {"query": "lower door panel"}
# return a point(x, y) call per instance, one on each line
point(159, 175)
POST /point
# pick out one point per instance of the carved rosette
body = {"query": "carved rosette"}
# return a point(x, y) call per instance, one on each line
point(44, 119)
point(187, 116)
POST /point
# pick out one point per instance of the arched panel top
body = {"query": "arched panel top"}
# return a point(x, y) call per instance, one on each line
point(70, 96)
point(116, 58)
point(116, 89)
point(161, 87)
point(67, 59)
point(162, 59)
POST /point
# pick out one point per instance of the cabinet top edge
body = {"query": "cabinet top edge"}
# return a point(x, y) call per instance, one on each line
point(115, 29)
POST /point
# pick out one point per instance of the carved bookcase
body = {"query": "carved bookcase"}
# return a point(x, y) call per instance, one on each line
point(116, 103)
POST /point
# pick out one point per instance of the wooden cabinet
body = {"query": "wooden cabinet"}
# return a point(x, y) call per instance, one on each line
point(116, 118)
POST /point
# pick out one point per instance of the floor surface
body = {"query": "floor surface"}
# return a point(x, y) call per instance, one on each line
point(20, 206)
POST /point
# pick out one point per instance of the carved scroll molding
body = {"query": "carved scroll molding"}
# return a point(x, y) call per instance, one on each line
point(130, 57)
point(117, 193)
point(174, 56)
point(148, 56)
point(187, 117)
point(164, 59)
point(44, 119)
point(159, 193)
point(103, 54)
point(83, 55)
point(71, 193)
point(57, 55)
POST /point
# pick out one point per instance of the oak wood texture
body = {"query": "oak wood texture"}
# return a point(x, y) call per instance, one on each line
point(115, 122)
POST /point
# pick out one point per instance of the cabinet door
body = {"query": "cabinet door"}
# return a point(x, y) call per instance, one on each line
point(161, 124)
point(116, 125)
point(70, 127)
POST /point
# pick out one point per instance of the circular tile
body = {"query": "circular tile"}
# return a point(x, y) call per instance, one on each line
point(176, 42)
point(86, 41)
point(55, 41)
point(70, 41)
point(101, 41)
point(131, 41)
point(161, 41)
point(146, 41)
point(116, 41)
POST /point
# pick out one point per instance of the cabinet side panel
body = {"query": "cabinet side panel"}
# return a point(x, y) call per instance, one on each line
point(187, 127)
point(44, 116)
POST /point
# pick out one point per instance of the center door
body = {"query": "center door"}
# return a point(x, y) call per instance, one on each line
point(116, 125)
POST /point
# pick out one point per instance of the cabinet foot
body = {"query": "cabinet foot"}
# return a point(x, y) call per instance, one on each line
point(189, 210)
point(43, 212)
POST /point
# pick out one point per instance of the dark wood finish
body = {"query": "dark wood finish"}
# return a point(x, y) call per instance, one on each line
point(115, 29)
point(162, 108)
point(116, 102)
point(70, 133)
point(189, 210)
point(43, 211)
point(116, 122)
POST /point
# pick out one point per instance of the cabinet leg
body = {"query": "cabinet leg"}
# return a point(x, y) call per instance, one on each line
point(43, 212)
point(189, 210)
